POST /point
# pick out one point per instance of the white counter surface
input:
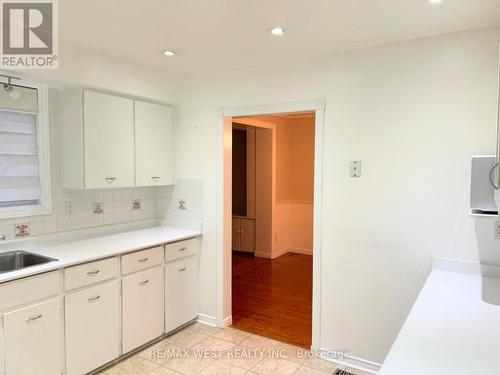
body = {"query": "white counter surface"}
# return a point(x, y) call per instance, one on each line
point(71, 253)
point(450, 329)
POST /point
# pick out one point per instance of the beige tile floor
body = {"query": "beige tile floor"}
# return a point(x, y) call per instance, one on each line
point(192, 351)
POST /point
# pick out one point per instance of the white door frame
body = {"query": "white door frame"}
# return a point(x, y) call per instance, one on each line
point(224, 209)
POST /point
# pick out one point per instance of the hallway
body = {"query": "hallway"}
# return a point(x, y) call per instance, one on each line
point(273, 298)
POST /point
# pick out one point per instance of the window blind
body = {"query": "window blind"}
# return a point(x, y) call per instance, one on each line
point(19, 174)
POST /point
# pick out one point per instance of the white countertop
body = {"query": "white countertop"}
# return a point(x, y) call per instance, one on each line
point(71, 253)
point(450, 329)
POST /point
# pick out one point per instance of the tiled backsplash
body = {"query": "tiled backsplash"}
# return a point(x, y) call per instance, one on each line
point(181, 205)
point(117, 204)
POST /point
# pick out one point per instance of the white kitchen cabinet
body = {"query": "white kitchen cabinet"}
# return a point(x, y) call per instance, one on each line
point(180, 292)
point(142, 308)
point(33, 339)
point(112, 141)
point(109, 140)
point(90, 273)
point(181, 249)
point(92, 327)
point(243, 234)
point(153, 144)
point(97, 140)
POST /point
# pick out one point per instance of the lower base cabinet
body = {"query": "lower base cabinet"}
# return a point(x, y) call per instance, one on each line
point(142, 306)
point(73, 321)
point(32, 339)
point(180, 292)
point(92, 327)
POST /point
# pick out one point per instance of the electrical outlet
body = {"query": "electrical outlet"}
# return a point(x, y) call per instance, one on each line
point(68, 208)
point(355, 168)
point(182, 204)
point(98, 208)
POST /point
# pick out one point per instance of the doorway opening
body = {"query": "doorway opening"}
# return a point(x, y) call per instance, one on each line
point(272, 225)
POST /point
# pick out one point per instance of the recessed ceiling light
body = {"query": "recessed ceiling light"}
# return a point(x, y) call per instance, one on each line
point(277, 30)
point(435, 1)
point(168, 53)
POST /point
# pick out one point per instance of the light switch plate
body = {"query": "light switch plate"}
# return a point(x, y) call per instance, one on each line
point(356, 168)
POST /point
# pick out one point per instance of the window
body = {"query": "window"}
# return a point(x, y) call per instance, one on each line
point(24, 151)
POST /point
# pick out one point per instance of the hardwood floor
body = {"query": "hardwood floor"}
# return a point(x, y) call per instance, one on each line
point(273, 298)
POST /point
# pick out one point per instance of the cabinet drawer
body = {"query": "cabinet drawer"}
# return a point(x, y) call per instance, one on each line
point(19, 292)
point(141, 260)
point(90, 273)
point(181, 249)
point(33, 339)
point(92, 327)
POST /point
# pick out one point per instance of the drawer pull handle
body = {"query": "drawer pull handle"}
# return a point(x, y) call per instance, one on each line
point(93, 299)
point(145, 282)
point(143, 260)
point(181, 269)
point(155, 178)
point(93, 273)
point(33, 317)
point(182, 249)
point(110, 180)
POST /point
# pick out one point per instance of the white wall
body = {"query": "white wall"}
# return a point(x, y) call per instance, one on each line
point(414, 113)
point(83, 67)
point(294, 210)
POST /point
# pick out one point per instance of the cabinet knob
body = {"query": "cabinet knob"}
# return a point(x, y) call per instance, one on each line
point(182, 249)
point(181, 269)
point(155, 178)
point(145, 282)
point(95, 298)
point(110, 180)
point(93, 273)
point(33, 317)
point(143, 260)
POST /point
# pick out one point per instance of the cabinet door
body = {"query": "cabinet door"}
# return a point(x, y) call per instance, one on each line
point(108, 141)
point(247, 235)
point(92, 327)
point(153, 144)
point(32, 339)
point(236, 245)
point(142, 306)
point(180, 292)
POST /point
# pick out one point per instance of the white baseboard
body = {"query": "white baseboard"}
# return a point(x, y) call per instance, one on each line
point(207, 319)
point(353, 362)
point(227, 322)
point(212, 320)
point(301, 251)
point(260, 254)
point(294, 250)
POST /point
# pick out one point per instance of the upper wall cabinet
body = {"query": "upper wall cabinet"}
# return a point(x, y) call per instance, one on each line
point(110, 141)
point(153, 144)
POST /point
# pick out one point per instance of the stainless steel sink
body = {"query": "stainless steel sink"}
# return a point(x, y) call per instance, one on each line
point(19, 259)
